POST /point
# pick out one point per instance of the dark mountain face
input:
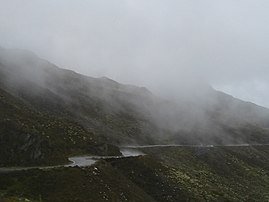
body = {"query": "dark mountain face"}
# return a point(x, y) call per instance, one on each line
point(122, 114)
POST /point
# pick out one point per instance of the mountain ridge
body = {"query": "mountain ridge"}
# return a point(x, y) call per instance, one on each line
point(118, 114)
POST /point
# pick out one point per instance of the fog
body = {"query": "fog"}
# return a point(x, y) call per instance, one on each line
point(163, 45)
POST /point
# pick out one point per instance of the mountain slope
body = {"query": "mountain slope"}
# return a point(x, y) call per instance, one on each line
point(36, 93)
point(29, 137)
point(165, 174)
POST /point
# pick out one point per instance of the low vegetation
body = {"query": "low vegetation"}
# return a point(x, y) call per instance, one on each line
point(164, 174)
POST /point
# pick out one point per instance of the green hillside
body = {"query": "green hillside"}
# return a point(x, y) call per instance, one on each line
point(29, 137)
point(165, 174)
point(48, 113)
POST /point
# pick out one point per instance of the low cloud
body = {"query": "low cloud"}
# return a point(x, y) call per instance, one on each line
point(158, 44)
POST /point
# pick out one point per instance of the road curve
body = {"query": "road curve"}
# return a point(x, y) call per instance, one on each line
point(127, 151)
point(81, 161)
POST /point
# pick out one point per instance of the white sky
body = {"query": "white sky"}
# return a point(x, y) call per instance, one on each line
point(152, 43)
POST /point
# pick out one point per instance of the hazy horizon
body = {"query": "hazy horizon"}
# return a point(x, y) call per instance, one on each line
point(156, 44)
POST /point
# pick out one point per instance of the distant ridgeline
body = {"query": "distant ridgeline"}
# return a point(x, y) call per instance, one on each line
point(48, 113)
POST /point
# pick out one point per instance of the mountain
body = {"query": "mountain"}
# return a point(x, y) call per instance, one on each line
point(49, 113)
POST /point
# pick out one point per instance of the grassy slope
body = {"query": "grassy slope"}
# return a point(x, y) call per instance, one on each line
point(123, 114)
point(220, 173)
point(47, 112)
point(96, 183)
point(32, 137)
point(166, 174)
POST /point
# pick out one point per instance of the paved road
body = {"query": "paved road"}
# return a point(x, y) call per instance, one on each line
point(126, 151)
point(81, 161)
point(183, 145)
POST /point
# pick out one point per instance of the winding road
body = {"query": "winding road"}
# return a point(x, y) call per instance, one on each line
point(81, 161)
point(184, 145)
point(127, 151)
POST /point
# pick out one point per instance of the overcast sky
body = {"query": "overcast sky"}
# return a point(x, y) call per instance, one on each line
point(152, 43)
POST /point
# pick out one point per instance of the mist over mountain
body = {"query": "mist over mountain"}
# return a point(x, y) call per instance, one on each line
point(157, 44)
point(133, 100)
point(126, 114)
